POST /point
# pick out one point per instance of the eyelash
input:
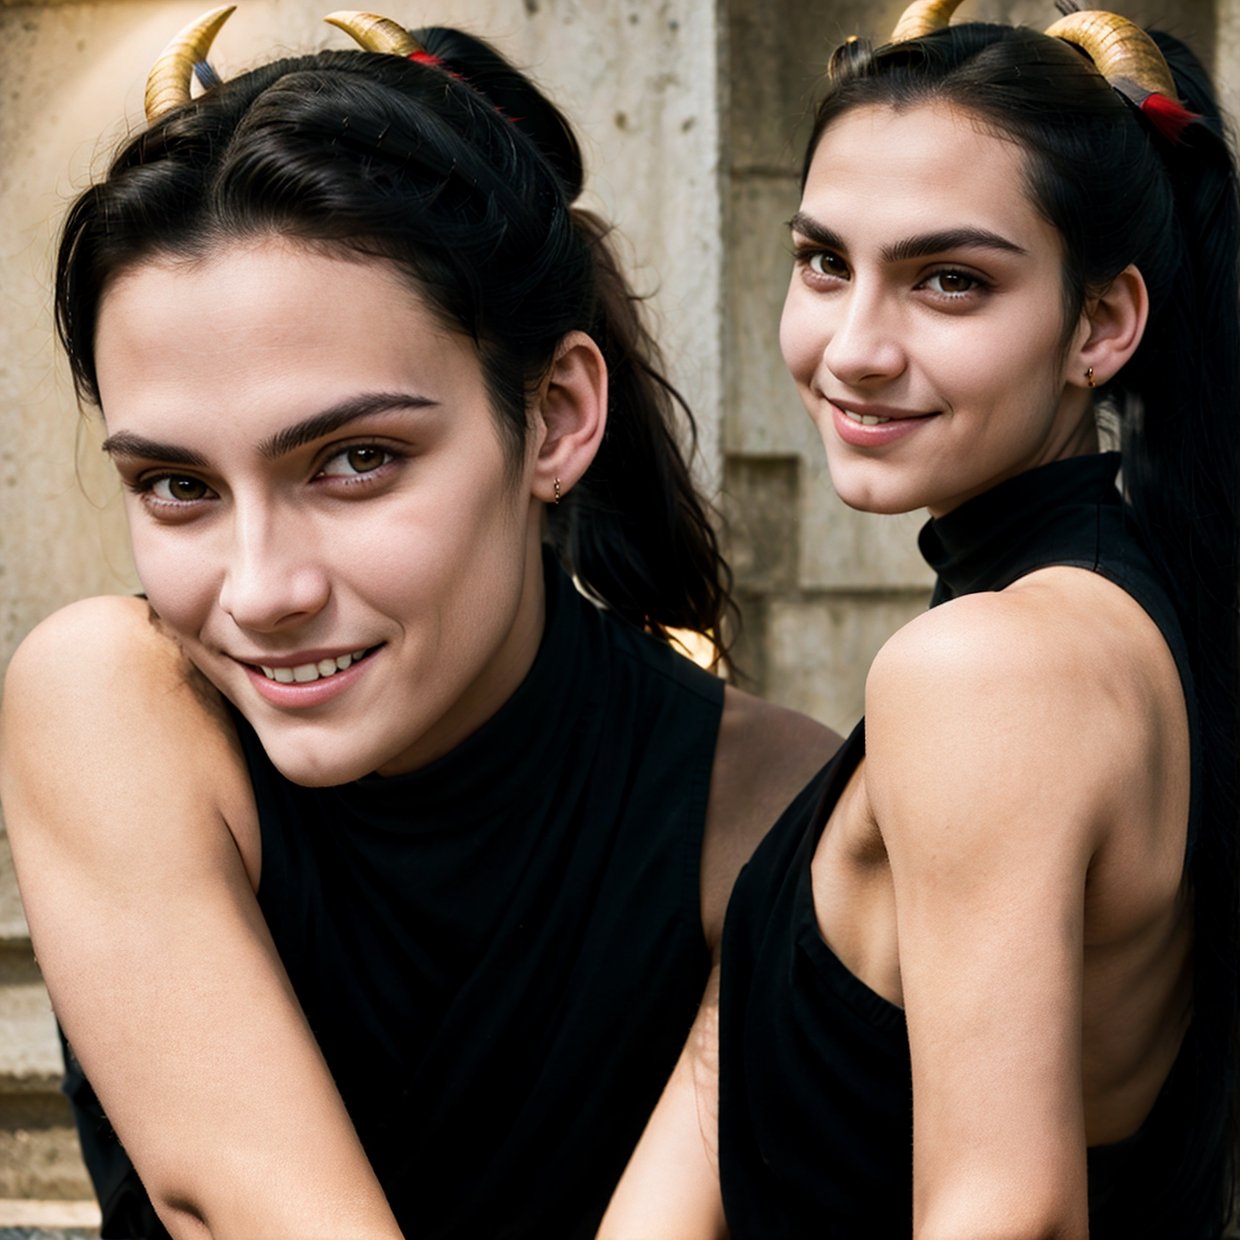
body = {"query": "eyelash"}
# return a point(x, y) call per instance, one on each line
point(144, 485)
point(805, 255)
point(976, 283)
point(144, 488)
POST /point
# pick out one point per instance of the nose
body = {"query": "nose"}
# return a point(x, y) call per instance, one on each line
point(273, 577)
point(865, 344)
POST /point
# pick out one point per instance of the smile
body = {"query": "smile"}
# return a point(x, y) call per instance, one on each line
point(877, 426)
point(305, 673)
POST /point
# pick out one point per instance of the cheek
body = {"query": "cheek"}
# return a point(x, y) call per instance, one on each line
point(1022, 368)
point(464, 561)
point(1003, 363)
point(178, 581)
point(801, 334)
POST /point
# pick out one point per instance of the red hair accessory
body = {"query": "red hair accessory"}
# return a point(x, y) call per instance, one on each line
point(1131, 62)
point(435, 62)
point(1171, 119)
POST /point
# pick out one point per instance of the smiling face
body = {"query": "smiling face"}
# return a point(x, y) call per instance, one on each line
point(924, 321)
point(320, 504)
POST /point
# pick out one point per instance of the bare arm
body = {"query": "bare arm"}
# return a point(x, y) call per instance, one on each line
point(982, 770)
point(129, 812)
point(670, 1190)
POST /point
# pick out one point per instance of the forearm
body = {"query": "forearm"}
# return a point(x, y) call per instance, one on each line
point(228, 1112)
point(670, 1189)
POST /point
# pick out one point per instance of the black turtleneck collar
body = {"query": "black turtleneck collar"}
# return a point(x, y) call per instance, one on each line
point(1047, 515)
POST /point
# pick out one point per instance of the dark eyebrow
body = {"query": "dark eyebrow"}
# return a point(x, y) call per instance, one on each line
point(302, 433)
point(921, 246)
point(820, 234)
point(949, 239)
point(126, 443)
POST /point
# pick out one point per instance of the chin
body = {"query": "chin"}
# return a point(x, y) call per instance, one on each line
point(881, 496)
point(868, 484)
point(317, 762)
point(879, 506)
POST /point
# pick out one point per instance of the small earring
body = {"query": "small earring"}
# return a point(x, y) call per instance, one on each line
point(557, 491)
point(1089, 376)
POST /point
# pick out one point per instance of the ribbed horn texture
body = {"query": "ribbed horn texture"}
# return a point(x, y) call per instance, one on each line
point(167, 85)
point(375, 33)
point(923, 16)
point(1119, 49)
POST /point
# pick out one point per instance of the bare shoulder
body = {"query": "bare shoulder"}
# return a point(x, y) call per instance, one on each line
point(1063, 639)
point(765, 755)
point(110, 642)
point(101, 708)
point(1055, 694)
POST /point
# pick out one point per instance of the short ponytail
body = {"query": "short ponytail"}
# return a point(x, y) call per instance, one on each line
point(634, 528)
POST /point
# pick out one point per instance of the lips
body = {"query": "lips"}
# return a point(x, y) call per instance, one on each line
point(302, 681)
point(875, 426)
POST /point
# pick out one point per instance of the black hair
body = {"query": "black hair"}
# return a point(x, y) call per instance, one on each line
point(1118, 193)
point(463, 175)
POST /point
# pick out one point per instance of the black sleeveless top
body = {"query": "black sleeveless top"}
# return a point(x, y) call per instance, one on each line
point(815, 1079)
point(500, 954)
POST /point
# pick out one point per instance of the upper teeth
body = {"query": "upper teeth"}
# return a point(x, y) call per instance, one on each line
point(866, 419)
point(303, 673)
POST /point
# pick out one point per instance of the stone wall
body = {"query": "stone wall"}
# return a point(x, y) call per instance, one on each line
point(658, 91)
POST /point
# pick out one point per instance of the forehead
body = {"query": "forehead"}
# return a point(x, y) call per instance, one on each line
point(267, 293)
point(919, 169)
point(266, 330)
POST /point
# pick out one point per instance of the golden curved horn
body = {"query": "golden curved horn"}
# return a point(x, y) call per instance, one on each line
point(923, 16)
point(167, 85)
point(375, 33)
point(1118, 48)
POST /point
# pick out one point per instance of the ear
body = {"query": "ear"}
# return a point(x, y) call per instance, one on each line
point(570, 416)
point(1111, 328)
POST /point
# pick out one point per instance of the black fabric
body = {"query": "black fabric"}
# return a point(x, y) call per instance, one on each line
point(500, 954)
point(816, 1085)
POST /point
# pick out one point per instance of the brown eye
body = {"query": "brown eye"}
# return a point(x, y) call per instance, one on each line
point(363, 460)
point(952, 283)
point(825, 263)
point(179, 489)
